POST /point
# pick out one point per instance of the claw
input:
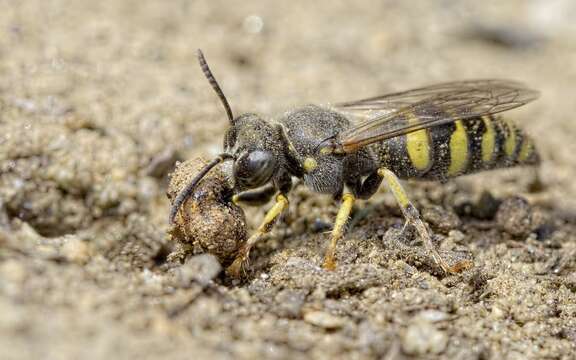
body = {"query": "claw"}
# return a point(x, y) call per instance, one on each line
point(329, 264)
point(460, 266)
point(240, 262)
point(236, 267)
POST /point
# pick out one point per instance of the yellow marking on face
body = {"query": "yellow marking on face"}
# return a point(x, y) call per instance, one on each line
point(488, 140)
point(418, 145)
point(526, 149)
point(510, 143)
point(310, 164)
point(458, 150)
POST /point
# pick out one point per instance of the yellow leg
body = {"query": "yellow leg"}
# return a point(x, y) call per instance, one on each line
point(338, 231)
point(271, 216)
point(413, 217)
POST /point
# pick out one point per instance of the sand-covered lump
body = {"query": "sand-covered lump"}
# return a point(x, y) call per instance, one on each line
point(208, 220)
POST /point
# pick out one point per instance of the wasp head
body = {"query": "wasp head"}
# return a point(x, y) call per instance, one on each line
point(250, 142)
point(255, 145)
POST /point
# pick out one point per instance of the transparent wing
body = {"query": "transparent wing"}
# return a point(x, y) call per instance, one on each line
point(394, 101)
point(431, 106)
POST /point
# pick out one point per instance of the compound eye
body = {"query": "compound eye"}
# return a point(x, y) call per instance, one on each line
point(254, 168)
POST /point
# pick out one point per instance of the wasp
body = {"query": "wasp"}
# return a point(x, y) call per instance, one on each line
point(348, 149)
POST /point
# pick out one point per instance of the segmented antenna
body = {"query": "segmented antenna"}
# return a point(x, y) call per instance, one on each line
point(185, 193)
point(215, 86)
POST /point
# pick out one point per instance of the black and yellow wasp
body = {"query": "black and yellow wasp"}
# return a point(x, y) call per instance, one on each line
point(346, 150)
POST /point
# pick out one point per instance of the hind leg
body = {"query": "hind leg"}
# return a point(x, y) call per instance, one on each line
point(412, 216)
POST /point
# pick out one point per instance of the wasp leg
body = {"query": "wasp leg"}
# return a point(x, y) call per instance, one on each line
point(338, 231)
point(256, 197)
point(271, 216)
point(413, 217)
point(369, 186)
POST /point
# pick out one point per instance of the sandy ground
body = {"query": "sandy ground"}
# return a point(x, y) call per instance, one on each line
point(98, 99)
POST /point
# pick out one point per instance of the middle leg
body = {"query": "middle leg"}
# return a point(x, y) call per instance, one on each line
point(362, 190)
point(348, 200)
point(255, 197)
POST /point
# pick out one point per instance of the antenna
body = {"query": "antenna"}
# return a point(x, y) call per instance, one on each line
point(187, 191)
point(215, 86)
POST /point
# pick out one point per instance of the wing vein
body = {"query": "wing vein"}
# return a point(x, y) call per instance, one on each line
point(433, 105)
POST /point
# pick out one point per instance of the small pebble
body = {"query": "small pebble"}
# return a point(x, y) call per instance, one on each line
point(497, 313)
point(76, 250)
point(432, 316)
point(457, 236)
point(422, 338)
point(323, 320)
point(201, 268)
point(515, 216)
point(289, 303)
point(441, 219)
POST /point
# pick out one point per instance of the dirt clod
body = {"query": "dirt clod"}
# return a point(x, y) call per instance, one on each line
point(208, 220)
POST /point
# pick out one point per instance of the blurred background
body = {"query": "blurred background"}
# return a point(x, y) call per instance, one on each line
point(98, 99)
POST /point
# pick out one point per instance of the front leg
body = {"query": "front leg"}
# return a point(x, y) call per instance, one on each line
point(255, 197)
point(269, 220)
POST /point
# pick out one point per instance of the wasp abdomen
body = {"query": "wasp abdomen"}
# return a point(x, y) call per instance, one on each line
point(456, 148)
